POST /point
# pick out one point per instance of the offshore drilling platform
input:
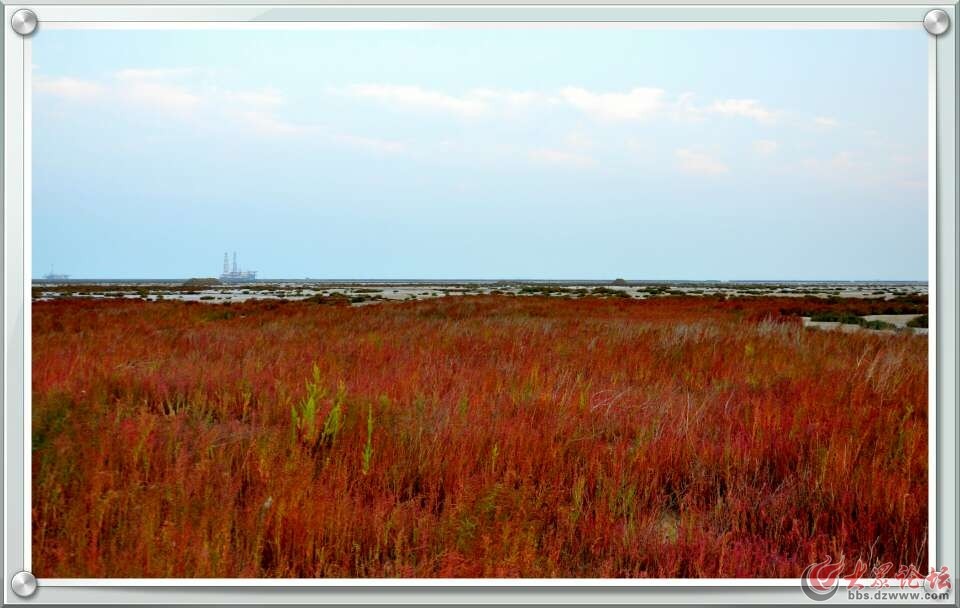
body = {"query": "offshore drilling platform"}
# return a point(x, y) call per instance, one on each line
point(234, 274)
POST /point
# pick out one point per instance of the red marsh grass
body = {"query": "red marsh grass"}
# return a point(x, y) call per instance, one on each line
point(488, 436)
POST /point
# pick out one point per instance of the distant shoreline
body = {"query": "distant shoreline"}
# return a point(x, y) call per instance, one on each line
point(587, 282)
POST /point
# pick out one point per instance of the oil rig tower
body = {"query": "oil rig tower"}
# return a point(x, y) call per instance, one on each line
point(235, 274)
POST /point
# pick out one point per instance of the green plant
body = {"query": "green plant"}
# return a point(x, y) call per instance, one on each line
point(303, 416)
point(877, 324)
point(836, 317)
point(368, 449)
point(334, 421)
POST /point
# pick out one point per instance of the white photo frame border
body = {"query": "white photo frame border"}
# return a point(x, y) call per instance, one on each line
point(944, 261)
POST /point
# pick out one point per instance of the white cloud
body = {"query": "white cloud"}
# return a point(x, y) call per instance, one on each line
point(746, 108)
point(69, 88)
point(823, 121)
point(155, 86)
point(505, 97)
point(685, 110)
point(142, 88)
point(473, 103)
point(572, 151)
point(765, 147)
point(265, 97)
point(417, 97)
point(265, 123)
point(185, 92)
point(559, 156)
point(160, 96)
point(175, 92)
point(635, 104)
point(841, 165)
point(641, 103)
point(698, 163)
point(153, 73)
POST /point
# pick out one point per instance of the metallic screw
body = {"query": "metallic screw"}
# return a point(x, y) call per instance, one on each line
point(24, 584)
point(24, 22)
point(936, 21)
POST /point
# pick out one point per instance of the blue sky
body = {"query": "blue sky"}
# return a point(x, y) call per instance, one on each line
point(428, 153)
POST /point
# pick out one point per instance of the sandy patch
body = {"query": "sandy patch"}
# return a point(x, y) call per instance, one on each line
point(898, 320)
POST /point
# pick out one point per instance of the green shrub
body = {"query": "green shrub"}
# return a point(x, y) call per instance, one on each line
point(837, 317)
point(877, 324)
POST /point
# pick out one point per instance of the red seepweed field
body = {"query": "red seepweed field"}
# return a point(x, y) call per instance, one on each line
point(487, 436)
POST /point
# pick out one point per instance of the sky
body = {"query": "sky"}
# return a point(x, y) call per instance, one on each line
point(572, 152)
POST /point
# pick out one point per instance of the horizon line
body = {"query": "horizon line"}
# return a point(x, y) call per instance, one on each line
point(488, 280)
